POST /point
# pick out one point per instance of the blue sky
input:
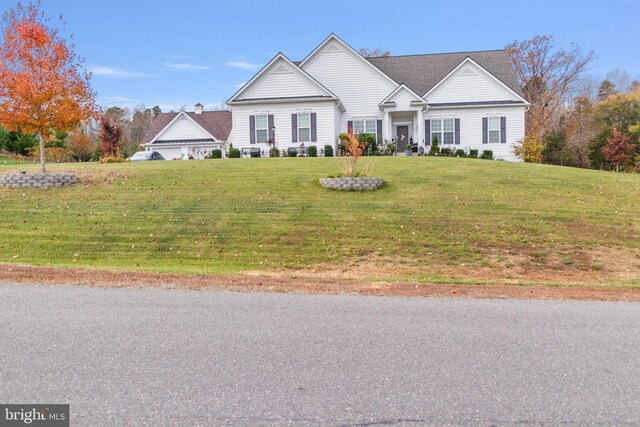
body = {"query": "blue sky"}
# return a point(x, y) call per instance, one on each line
point(175, 53)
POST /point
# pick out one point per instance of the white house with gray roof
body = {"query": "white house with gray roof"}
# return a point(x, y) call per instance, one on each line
point(468, 100)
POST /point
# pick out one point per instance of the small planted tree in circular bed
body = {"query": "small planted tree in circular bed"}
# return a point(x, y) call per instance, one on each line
point(351, 178)
point(43, 87)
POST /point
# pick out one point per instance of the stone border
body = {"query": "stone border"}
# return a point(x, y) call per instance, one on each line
point(353, 184)
point(37, 180)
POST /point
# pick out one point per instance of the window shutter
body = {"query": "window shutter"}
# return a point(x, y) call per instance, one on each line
point(379, 128)
point(503, 130)
point(457, 132)
point(485, 126)
point(271, 128)
point(294, 127)
point(252, 129)
point(350, 127)
point(427, 131)
point(314, 129)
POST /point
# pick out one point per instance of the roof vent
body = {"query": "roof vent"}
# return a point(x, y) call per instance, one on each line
point(199, 108)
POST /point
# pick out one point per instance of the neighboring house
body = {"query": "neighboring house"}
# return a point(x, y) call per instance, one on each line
point(184, 134)
point(468, 100)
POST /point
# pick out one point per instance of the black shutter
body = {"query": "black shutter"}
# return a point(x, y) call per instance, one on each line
point(271, 128)
point(379, 127)
point(503, 130)
point(457, 132)
point(314, 129)
point(252, 129)
point(427, 131)
point(350, 127)
point(294, 127)
point(485, 136)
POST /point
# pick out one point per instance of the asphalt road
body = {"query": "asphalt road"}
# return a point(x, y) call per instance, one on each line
point(168, 357)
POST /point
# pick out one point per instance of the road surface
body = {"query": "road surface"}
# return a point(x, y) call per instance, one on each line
point(171, 357)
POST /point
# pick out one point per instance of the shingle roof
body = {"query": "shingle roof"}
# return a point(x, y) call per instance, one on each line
point(217, 123)
point(422, 72)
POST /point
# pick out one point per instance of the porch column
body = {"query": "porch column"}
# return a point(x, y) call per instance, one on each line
point(386, 126)
point(420, 137)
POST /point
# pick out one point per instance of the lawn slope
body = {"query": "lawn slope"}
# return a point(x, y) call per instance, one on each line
point(438, 220)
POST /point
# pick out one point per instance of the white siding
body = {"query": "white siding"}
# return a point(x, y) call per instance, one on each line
point(183, 128)
point(169, 153)
point(403, 100)
point(282, 122)
point(282, 80)
point(471, 128)
point(470, 83)
point(357, 83)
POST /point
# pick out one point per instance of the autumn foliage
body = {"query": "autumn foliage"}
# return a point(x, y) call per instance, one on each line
point(110, 136)
point(353, 151)
point(43, 86)
point(619, 149)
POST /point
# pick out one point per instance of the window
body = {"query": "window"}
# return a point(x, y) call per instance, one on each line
point(369, 126)
point(494, 130)
point(262, 129)
point(444, 130)
point(304, 127)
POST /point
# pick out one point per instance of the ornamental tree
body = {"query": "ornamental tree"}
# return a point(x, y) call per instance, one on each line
point(110, 136)
point(619, 149)
point(43, 86)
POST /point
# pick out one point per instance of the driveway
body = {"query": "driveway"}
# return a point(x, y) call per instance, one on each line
point(175, 357)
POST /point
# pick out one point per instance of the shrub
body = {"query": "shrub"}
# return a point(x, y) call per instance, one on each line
point(435, 150)
point(274, 152)
point(370, 140)
point(216, 153)
point(328, 151)
point(460, 153)
point(473, 154)
point(446, 152)
point(529, 149)
point(234, 153)
point(487, 154)
point(112, 159)
point(312, 151)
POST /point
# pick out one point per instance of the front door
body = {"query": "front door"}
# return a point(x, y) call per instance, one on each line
point(403, 138)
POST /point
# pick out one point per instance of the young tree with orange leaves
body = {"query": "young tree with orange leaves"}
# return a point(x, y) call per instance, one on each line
point(43, 86)
point(353, 151)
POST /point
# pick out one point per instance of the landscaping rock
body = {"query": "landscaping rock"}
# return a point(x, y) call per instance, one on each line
point(37, 180)
point(352, 184)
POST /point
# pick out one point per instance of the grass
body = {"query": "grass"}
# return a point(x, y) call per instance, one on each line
point(441, 220)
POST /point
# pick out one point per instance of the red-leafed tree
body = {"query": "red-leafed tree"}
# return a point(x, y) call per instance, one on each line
point(619, 149)
point(110, 136)
point(43, 86)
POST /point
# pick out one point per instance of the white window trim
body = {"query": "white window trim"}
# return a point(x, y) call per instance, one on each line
point(300, 127)
point(489, 130)
point(364, 126)
point(441, 132)
point(265, 128)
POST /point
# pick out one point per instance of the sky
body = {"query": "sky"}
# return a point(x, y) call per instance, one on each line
point(177, 53)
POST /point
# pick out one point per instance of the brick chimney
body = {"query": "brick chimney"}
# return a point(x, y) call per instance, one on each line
point(199, 108)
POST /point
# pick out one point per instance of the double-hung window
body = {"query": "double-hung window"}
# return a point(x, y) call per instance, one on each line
point(494, 130)
point(262, 129)
point(444, 130)
point(369, 126)
point(304, 127)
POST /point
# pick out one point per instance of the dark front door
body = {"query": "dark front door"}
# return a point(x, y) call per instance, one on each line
point(403, 138)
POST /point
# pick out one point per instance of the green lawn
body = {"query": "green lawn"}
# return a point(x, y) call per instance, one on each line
point(437, 220)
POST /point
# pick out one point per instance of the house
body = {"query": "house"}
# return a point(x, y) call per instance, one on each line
point(467, 100)
point(188, 134)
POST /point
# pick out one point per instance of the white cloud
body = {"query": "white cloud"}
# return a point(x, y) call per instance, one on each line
point(243, 65)
point(116, 72)
point(186, 67)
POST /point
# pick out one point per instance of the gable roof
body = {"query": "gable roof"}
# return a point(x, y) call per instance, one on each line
point(216, 123)
point(280, 56)
point(402, 86)
point(422, 72)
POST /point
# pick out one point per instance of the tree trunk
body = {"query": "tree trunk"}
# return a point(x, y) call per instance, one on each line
point(41, 135)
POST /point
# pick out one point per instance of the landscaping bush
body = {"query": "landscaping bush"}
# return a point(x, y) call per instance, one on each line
point(274, 152)
point(460, 153)
point(446, 152)
point(312, 151)
point(369, 139)
point(112, 159)
point(216, 153)
point(328, 151)
point(434, 150)
point(487, 155)
point(234, 153)
point(473, 154)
